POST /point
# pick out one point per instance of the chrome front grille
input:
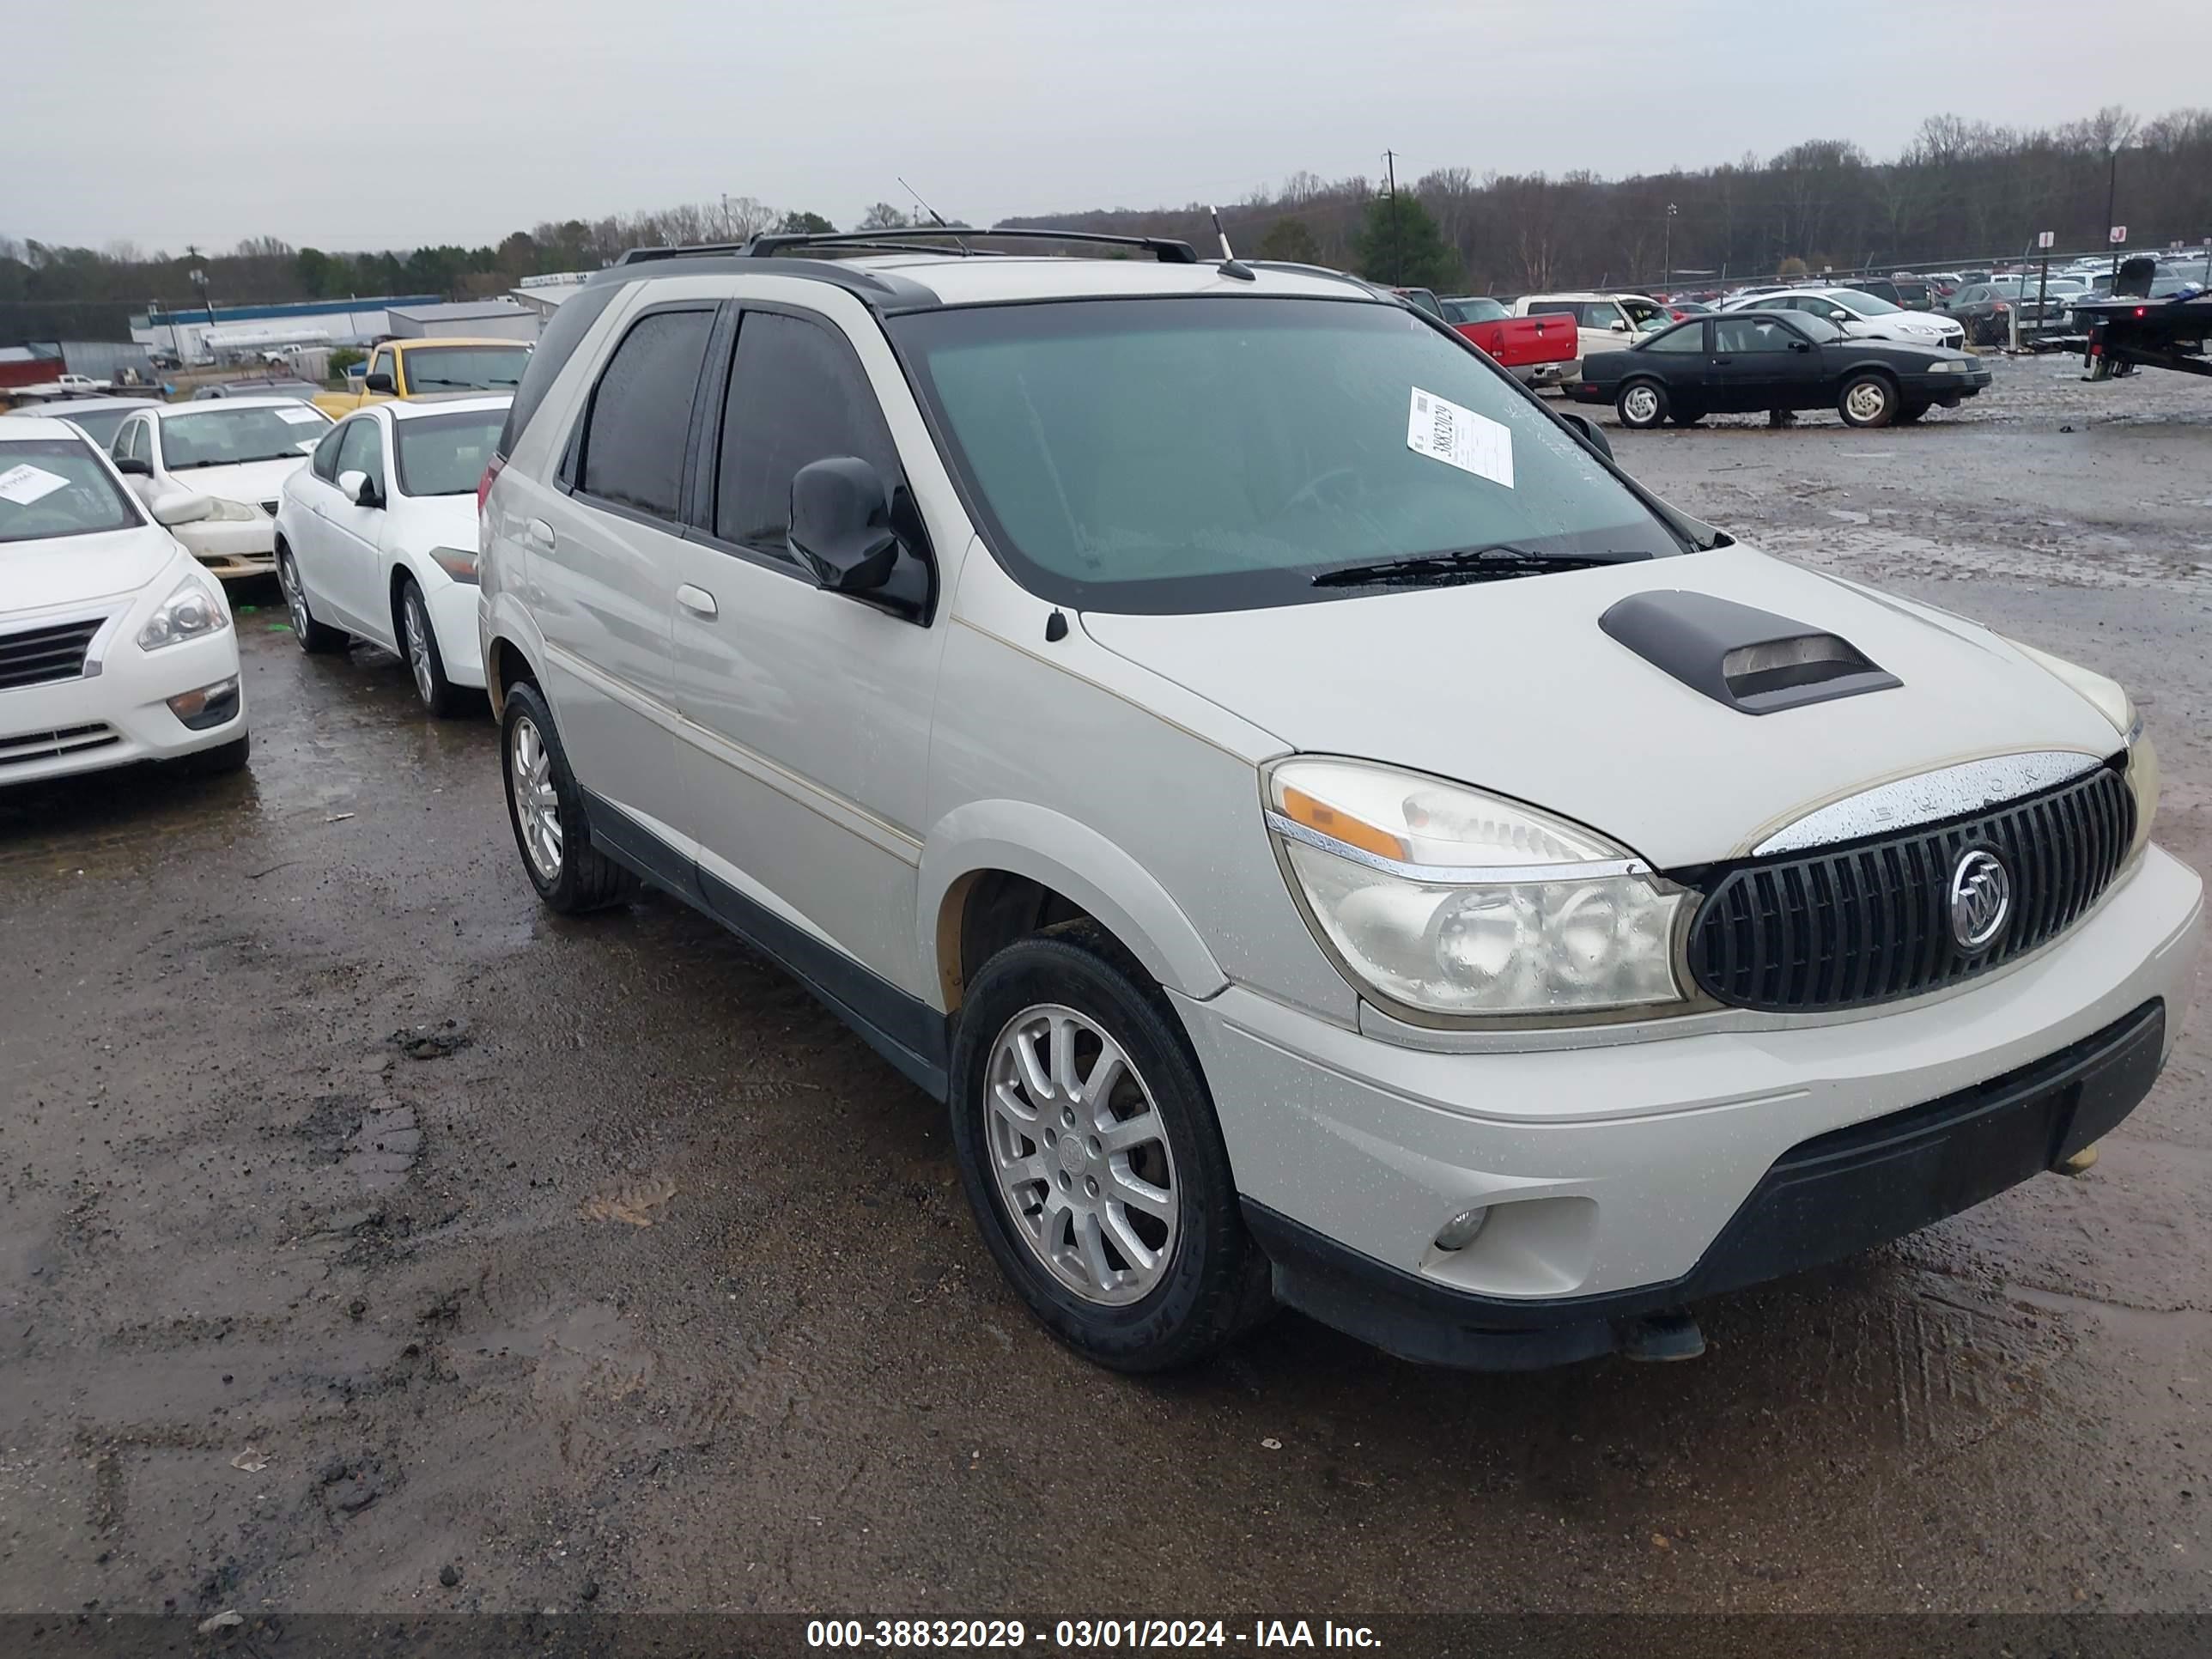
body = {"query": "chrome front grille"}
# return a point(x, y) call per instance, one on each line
point(33, 656)
point(1871, 921)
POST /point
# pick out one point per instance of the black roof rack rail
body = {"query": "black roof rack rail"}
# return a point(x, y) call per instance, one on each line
point(1166, 249)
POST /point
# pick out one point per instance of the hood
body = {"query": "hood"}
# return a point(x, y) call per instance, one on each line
point(1513, 687)
point(77, 569)
point(252, 482)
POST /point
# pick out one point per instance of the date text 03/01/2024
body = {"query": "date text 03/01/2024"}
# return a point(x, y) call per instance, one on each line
point(1079, 1634)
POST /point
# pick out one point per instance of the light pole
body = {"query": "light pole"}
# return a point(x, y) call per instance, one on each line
point(1666, 256)
point(2112, 206)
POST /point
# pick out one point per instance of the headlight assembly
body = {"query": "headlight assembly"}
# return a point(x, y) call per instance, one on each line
point(1448, 903)
point(225, 512)
point(190, 611)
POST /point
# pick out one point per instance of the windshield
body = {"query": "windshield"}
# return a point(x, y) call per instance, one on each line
point(466, 369)
point(1644, 316)
point(52, 487)
point(1867, 305)
point(1217, 453)
point(446, 455)
point(97, 424)
point(1476, 309)
point(232, 436)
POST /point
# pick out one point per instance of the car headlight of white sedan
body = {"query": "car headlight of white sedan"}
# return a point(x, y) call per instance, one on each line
point(191, 612)
point(1451, 903)
point(208, 509)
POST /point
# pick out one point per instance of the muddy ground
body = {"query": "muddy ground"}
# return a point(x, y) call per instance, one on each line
point(361, 1221)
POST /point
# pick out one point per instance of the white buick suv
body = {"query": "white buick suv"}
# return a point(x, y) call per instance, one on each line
point(1329, 836)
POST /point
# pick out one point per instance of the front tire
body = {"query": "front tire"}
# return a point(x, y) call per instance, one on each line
point(418, 644)
point(545, 809)
point(1089, 1148)
point(315, 638)
point(1641, 404)
point(1867, 400)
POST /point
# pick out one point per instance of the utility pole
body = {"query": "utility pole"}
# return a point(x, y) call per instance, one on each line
point(1397, 263)
point(1667, 242)
point(2112, 206)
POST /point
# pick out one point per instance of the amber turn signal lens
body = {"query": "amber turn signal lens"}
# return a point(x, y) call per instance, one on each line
point(1301, 808)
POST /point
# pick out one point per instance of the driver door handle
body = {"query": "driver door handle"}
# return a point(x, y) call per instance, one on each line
point(538, 534)
point(697, 600)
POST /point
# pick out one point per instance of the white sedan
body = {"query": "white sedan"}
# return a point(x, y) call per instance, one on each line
point(114, 646)
point(232, 457)
point(1863, 316)
point(376, 539)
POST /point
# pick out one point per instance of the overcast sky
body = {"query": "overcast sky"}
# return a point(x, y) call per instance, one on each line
point(396, 123)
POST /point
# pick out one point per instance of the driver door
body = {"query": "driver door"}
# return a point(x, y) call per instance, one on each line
point(354, 534)
point(1756, 365)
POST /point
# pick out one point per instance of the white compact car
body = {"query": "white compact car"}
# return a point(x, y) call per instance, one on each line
point(1863, 316)
point(376, 537)
point(114, 646)
point(1328, 835)
point(231, 456)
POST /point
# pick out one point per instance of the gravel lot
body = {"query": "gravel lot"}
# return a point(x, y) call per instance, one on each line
point(359, 1220)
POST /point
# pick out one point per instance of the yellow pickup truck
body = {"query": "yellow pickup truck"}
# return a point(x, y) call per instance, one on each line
point(414, 368)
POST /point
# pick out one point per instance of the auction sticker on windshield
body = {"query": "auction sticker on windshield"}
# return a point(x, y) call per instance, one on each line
point(298, 416)
point(1444, 431)
point(27, 484)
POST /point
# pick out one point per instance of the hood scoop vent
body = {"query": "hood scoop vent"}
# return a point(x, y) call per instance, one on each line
point(1752, 660)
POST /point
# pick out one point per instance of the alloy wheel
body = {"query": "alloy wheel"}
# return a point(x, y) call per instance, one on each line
point(537, 803)
point(1866, 401)
point(296, 598)
point(1080, 1155)
point(1641, 404)
point(418, 645)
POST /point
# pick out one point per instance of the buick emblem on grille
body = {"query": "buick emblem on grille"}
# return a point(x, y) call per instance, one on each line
point(1981, 899)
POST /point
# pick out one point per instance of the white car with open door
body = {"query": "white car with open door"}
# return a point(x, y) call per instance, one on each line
point(114, 646)
point(376, 539)
point(233, 457)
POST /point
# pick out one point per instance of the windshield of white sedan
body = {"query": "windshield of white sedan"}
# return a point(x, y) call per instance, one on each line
point(231, 437)
point(51, 487)
point(466, 369)
point(446, 455)
point(1217, 453)
point(1867, 305)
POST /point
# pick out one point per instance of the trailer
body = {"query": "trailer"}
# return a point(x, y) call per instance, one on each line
point(2126, 332)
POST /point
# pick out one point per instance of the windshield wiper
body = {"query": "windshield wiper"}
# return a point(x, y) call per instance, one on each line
point(1496, 562)
point(465, 385)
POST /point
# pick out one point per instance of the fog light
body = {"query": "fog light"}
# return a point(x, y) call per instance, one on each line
point(211, 705)
point(1459, 1232)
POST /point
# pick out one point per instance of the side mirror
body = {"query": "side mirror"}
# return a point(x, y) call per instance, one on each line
point(1800, 345)
point(1839, 316)
point(380, 381)
point(841, 524)
point(1590, 432)
point(1619, 325)
point(180, 507)
point(133, 465)
point(359, 487)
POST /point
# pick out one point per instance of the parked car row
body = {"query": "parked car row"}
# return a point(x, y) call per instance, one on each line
point(1061, 668)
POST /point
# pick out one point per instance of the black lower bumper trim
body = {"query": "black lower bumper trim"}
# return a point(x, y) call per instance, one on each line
point(1824, 1198)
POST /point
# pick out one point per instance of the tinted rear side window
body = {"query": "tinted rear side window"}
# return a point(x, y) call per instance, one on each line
point(797, 394)
point(554, 347)
point(640, 420)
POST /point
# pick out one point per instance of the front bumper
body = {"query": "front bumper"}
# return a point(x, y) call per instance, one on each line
point(453, 618)
point(231, 549)
point(1625, 1178)
point(117, 715)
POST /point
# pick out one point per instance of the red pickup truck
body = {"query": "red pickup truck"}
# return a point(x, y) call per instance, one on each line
point(1537, 350)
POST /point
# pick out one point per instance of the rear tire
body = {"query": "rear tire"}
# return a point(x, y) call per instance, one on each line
point(1641, 404)
point(315, 638)
point(1161, 1282)
point(1867, 400)
point(545, 809)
